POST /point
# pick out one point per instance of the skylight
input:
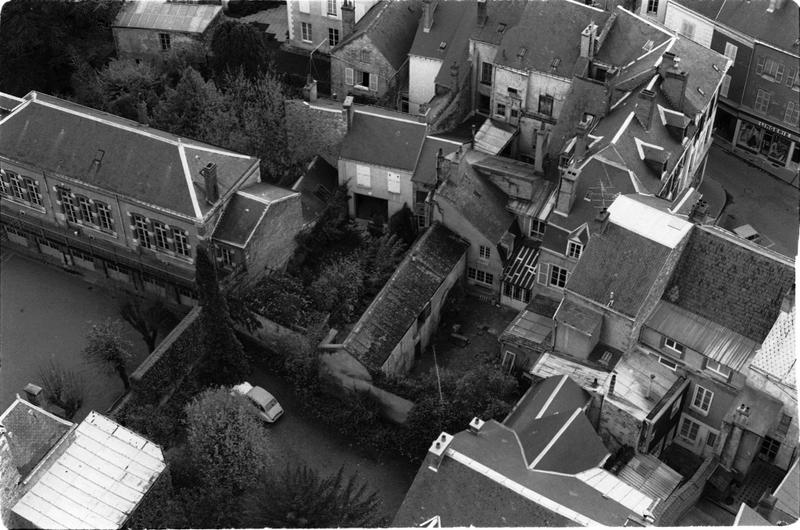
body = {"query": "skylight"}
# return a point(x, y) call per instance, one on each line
point(501, 28)
point(648, 45)
point(555, 63)
point(442, 45)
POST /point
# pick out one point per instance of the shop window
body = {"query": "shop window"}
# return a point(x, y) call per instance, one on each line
point(749, 136)
point(775, 147)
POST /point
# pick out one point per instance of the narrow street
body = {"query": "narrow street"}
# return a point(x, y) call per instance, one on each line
point(304, 439)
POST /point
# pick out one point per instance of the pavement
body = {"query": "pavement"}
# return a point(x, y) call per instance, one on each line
point(769, 205)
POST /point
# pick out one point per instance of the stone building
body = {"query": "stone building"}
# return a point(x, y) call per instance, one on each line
point(321, 24)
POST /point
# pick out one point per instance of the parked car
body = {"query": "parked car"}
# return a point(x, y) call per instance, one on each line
point(268, 407)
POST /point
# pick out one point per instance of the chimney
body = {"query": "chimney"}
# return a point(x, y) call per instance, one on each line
point(650, 386)
point(589, 41)
point(482, 15)
point(348, 18)
point(766, 504)
point(612, 384)
point(566, 190)
point(645, 105)
point(310, 89)
point(428, 8)
point(437, 449)
point(475, 425)
point(347, 108)
point(141, 113)
point(33, 394)
point(581, 139)
point(209, 174)
point(674, 80)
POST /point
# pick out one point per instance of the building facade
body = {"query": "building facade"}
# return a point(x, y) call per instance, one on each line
point(321, 24)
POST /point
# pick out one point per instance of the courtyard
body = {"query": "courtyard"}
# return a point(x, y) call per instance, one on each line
point(46, 312)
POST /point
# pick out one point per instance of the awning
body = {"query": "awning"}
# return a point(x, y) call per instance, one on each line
point(493, 137)
point(521, 268)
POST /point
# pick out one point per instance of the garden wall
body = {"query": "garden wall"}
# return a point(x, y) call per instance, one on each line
point(677, 504)
point(269, 333)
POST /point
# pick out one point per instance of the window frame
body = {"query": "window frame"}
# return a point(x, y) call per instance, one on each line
point(497, 109)
point(180, 239)
point(546, 104)
point(349, 76)
point(331, 11)
point(792, 114)
point(687, 29)
point(761, 103)
point(574, 249)
point(730, 51)
point(487, 69)
point(165, 40)
point(652, 7)
point(141, 230)
point(676, 347)
point(533, 232)
point(725, 86)
point(161, 235)
point(672, 364)
point(692, 423)
point(717, 369)
point(21, 189)
point(555, 274)
point(480, 276)
point(68, 207)
point(105, 217)
point(333, 37)
point(306, 32)
point(484, 252)
point(701, 392)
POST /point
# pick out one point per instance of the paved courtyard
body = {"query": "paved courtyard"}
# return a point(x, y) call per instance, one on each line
point(47, 312)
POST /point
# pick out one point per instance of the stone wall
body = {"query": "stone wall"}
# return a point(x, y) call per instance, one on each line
point(273, 242)
point(313, 129)
point(670, 510)
point(617, 427)
point(269, 333)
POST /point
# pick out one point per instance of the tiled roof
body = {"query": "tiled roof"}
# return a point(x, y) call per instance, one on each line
point(779, 28)
point(629, 38)
point(547, 37)
point(390, 28)
point(117, 155)
point(713, 261)
point(384, 140)
point(448, 39)
point(316, 186)
point(167, 16)
point(396, 307)
point(778, 354)
point(32, 432)
point(425, 173)
point(705, 67)
point(249, 208)
point(501, 15)
point(478, 201)
point(95, 480)
point(621, 264)
point(554, 395)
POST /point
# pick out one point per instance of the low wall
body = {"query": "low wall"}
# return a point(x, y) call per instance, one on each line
point(269, 333)
point(683, 498)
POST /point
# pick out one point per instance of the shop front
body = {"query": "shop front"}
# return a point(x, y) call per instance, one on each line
point(773, 148)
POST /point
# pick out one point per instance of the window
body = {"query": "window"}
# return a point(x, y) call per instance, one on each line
point(85, 209)
point(574, 249)
point(770, 69)
point(762, 101)
point(717, 368)
point(484, 252)
point(393, 182)
point(165, 41)
point(333, 40)
point(348, 76)
point(22, 189)
point(367, 80)
point(140, 226)
point(516, 292)
point(546, 105)
point(730, 51)
point(303, 6)
point(537, 228)
point(558, 276)
point(711, 440)
point(104, 217)
point(769, 448)
point(669, 363)
point(34, 194)
point(480, 276)
point(225, 256)
point(332, 8)
point(181, 242)
point(793, 79)
point(365, 56)
point(305, 31)
point(673, 346)
point(687, 29)
point(783, 426)
point(726, 84)
point(363, 176)
point(68, 205)
point(17, 187)
point(161, 234)
point(486, 73)
point(689, 429)
point(514, 113)
point(652, 7)
point(792, 115)
point(702, 399)
point(500, 110)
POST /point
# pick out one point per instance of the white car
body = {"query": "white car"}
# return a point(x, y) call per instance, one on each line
point(266, 404)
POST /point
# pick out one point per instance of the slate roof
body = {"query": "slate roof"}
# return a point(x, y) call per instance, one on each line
point(248, 209)
point(620, 262)
point(705, 67)
point(396, 307)
point(712, 262)
point(137, 162)
point(452, 24)
point(316, 186)
point(478, 201)
point(506, 12)
point(627, 38)
point(32, 432)
point(390, 28)
point(167, 16)
point(96, 478)
point(384, 140)
point(425, 173)
point(547, 31)
point(554, 395)
point(578, 317)
point(779, 28)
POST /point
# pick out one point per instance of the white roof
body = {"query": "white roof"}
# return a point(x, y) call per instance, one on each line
point(778, 354)
point(615, 489)
point(654, 224)
point(96, 481)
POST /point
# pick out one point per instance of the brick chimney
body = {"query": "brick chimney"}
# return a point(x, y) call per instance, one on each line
point(644, 108)
point(141, 113)
point(566, 190)
point(589, 41)
point(674, 80)
point(348, 17)
point(482, 14)
point(438, 448)
point(347, 109)
point(209, 174)
point(428, 8)
point(310, 89)
point(581, 139)
point(33, 394)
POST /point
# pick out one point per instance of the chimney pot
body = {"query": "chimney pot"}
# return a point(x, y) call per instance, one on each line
point(428, 8)
point(348, 18)
point(209, 174)
point(33, 394)
point(482, 15)
point(141, 113)
point(347, 106)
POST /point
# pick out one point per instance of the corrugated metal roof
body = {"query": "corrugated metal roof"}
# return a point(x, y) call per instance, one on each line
point(493, 136)
point(96, 481)
point(701, 334)
point(167, 16)
point(651, 476)
point(521, 269)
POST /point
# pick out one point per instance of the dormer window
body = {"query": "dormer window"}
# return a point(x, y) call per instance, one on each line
point(574, 249)
point(501, 28)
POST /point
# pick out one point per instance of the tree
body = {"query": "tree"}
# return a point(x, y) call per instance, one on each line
point(380, 259)
point(401, 223)
point(185, 109)
point(107, 349)
point(236, 46)
point(300, 497)
point(224, 360)
point(63, 388)
point(282, 298)
point(147, 320)
point(338, 289)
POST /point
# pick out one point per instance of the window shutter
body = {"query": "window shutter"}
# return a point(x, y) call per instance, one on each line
point(303, 6)
point(373, 82)
point(543, 274)
point(348, 76)
point(790, 77)
point(779, 73)
point(760, 65)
